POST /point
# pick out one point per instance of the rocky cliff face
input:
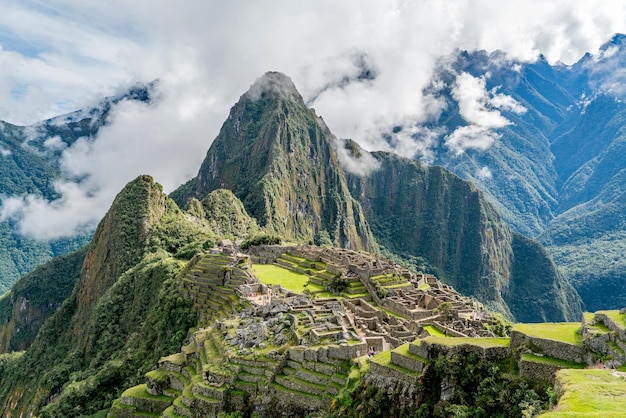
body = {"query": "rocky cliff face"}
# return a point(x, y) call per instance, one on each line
point(428, 212)
point(277, 156)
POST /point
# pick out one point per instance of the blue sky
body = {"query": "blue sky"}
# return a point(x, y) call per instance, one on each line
point(60, 55)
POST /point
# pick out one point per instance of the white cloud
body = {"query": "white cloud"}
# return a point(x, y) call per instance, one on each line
point(484, 173)
point(64, 54)
point(474, 137)
point(481, 109)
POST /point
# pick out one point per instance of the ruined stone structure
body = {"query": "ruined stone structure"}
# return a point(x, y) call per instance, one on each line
point(412, 299)
point(270, 349)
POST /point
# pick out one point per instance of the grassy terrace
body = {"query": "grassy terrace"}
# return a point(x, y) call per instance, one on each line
point(566, 332)
point(615, 316)
point(434, 331)
point(552, 361)
point(480, 342)
point(384, 359)
point(141, 392)
point(590, 393)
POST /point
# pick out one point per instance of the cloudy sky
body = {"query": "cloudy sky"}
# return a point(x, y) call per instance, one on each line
point(60, 55)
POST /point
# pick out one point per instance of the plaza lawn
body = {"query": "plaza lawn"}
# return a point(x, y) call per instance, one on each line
point(566, 332)
point(272, 274)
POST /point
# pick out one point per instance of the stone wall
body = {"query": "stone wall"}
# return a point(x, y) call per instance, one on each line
point(619, 329)
point(491, 354)
point(538, 371)
point(551, 348)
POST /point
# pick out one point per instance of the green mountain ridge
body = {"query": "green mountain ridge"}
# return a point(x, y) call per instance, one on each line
point(29, 165)
point(556, 171)
point(123, 314)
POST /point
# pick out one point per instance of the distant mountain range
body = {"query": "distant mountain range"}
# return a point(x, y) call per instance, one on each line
point(556, 168)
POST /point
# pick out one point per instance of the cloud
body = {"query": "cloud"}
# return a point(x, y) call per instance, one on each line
point(363, 65)
point(479, 106)
point(481, 109)
point(484, 173)
point(470, 137)
point(355, 159)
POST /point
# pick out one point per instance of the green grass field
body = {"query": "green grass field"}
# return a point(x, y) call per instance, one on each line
point(566, 332)
point(590, 393)
point(273, 274)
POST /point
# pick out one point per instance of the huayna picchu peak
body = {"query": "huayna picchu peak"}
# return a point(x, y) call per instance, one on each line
point(276, 157)
point(276, 282)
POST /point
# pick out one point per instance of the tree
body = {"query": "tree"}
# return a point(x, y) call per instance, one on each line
point(322, 239)
point(445, 309)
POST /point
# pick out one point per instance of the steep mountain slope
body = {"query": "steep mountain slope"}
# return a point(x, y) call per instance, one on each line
point(280, 159)
point(428, 212)
point(123, 313)
point(29, 164)
point(35, 297)
point(276, 155)
point(225, 214)
point(280, 165)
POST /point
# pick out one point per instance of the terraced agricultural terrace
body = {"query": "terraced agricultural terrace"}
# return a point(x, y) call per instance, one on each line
point(284, 327)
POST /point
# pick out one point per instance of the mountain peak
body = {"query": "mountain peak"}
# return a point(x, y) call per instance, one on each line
point(617, 40)
point(273, 83)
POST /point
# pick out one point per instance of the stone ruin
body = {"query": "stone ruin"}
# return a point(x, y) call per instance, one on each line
point(410, 304)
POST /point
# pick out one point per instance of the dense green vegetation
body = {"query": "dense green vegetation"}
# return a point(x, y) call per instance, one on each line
point(35, 297)
point(479, 389)
point(99, 342)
